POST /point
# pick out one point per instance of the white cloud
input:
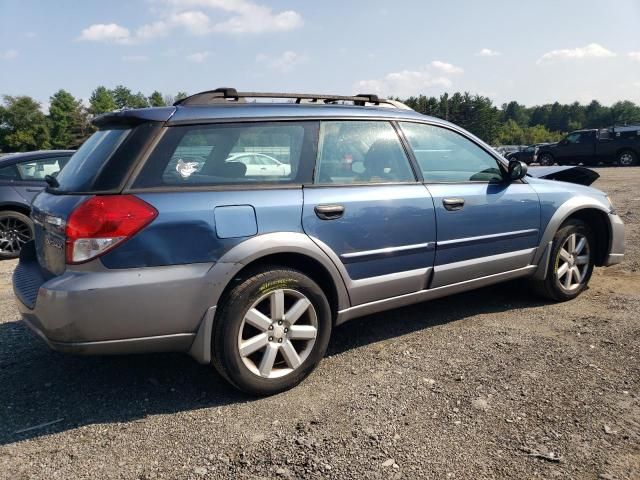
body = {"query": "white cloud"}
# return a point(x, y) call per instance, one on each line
point(31, 35)
point(487, 52)
point(198, 57)
point(635, 56)
point(135, 58)
point(284, 62)
point(445, 67)
point(593, 50)
point(8, 54)
point(411, 82)
point(246, 17)
point(105, 32)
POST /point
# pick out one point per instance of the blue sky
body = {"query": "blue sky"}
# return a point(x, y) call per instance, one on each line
point(532, 51)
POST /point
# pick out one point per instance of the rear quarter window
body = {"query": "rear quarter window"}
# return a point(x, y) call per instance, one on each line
point(232, 154)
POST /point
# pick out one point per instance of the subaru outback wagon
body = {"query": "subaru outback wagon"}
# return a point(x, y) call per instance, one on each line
point(159, 235)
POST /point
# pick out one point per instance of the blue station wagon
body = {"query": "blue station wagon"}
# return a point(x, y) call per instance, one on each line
point(160, 234)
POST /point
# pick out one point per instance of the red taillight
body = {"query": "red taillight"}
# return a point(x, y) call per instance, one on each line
point(102, 222)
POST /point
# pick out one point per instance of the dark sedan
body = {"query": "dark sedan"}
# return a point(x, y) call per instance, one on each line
point(21, 179)
point(527, 155)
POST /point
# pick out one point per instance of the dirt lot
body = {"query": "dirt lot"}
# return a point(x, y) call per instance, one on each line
point(492, 383)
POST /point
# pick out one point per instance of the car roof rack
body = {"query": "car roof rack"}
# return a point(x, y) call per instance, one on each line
point(226, 95)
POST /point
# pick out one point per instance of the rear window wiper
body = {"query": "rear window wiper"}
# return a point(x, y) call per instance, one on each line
point(51, 181)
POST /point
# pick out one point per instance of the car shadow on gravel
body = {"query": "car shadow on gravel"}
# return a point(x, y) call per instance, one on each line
point(374, 328)
point(44, 392)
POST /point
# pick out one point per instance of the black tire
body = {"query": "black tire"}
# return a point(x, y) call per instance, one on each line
point(552, 286)
point(231, 317)
point(627, 158)
point(546, 160)
point(15, 230)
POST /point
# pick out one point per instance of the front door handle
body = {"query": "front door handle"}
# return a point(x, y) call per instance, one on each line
point(453, 204)
point(329, 212)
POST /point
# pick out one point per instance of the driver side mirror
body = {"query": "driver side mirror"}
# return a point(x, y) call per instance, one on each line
point(563, 142)
point(517, 170)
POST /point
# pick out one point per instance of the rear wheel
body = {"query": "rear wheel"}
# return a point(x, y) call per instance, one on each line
point(16, 229)
point(546, 160)
point(571, 262)
point(627, 158)
point(272, 331)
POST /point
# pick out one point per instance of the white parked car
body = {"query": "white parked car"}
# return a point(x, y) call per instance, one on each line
point(261, 164)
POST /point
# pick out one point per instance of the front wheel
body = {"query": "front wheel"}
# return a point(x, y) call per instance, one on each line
point(570, 264)
point(271, 331)
point(546, 160)
point(16, 229)
point(627, 158)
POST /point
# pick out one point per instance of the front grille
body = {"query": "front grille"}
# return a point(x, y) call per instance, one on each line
point(27, 279)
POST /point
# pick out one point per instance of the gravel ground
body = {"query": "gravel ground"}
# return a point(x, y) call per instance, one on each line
point(491, 383)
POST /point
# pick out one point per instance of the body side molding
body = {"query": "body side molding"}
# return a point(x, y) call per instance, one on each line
point(433, 293)
point(386, 252)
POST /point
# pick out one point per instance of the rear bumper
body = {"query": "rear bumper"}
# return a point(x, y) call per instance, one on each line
point(180, 342)
point(616, 246)
point(154, 309)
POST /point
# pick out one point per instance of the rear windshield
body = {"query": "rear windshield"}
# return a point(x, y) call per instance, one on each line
point(83, 167)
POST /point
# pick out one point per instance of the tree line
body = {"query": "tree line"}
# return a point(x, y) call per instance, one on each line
point(25, 127)
point(516, 124)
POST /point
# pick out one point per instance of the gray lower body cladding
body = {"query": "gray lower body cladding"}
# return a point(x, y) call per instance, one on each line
point(121, 311)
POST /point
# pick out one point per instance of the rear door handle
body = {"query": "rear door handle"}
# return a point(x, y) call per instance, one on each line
point(329, 212)
point(453, 204)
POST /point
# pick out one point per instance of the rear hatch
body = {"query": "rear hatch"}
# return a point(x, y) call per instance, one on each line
point(101, 166)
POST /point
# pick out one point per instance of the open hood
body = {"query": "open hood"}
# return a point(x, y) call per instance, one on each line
point(579, 175)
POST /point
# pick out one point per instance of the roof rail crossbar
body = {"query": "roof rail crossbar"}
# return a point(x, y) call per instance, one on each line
point(231, 95)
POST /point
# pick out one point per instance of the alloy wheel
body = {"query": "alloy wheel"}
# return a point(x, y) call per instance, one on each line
point(626, 159)
point(573, 261)
point(14, 233)
point(278, 333)
point(546, 160)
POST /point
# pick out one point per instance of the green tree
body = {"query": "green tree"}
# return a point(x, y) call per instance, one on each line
point(156, 99)
point(511, 133)
point(624, 112)
point(68, 120)
point(516, 112)
point(101, 101)
point(595, 115)
point(122, 97)
point(139, 100)
point(539, 134)
point(23, 126)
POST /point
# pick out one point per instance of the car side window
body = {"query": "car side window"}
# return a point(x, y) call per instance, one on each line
point(9, 173)
point(243, 153)
point(361, 152)
point(446, 156)
point(36, 170)
point(573, 138)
